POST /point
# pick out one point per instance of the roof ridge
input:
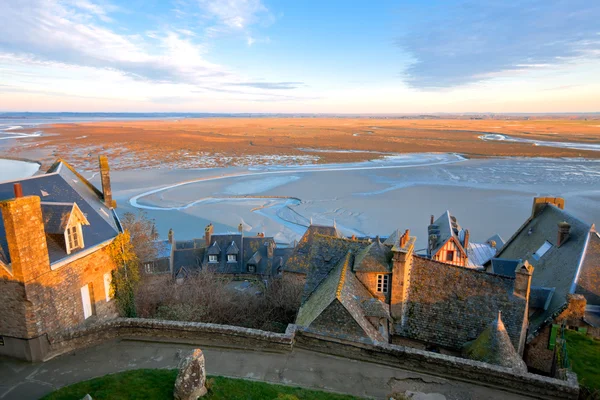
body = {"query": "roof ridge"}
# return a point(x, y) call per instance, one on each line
point(338, 291)
point(81, 177)
point(341, 238)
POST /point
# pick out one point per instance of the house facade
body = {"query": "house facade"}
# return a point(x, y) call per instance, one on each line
point(55, 271)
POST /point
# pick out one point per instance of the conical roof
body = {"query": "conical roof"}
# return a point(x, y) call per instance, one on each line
point(493, 346)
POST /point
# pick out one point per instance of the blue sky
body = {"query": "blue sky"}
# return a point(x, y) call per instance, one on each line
point(300, 56)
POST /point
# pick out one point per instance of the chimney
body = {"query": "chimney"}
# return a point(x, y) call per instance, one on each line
point(260, 234)
point(401, 267)
point(540, 202)
point(241, 228)
point(208, 231)
point(523, 275)
point(18, 189)
point(432, 220)
point(25, 236)
point(564, 228)
point(170, 236)
point(105, 179)
point(353, 237)
point(270, 248)
point(466, 241)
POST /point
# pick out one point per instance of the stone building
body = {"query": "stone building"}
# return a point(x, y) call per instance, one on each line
point(368, 290)
point(228, 253)
point(55, 272)
point(565, 288)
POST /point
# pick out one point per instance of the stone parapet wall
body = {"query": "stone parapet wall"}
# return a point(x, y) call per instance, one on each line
point(444, 366)
point(438, 373)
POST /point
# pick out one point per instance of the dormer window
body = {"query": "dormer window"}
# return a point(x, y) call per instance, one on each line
point(74, 237)
point(63, 222)
point(212, 258)
point(231, 258)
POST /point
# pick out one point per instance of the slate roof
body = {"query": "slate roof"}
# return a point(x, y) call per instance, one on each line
point(588, 283)
point(445, 227)
point(479, 253)
point(214, 249)
point(299, 260)
point(493, 346)
point(62, 184)
point(341, 285)
point(56, 216)
point(233, 249)
point(558, 267)
point(376, 257)
point(190, 259)
point(325, 253)
point(540, 297)
point(503, 266)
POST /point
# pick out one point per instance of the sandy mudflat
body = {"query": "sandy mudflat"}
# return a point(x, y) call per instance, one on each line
point(218, 142)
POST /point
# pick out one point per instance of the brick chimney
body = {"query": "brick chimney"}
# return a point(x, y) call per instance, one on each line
point(208, 231)
point(401, 266)
point(466, 241)
point(540, 202)
point(432, 220)
point(241, 228)
point(523, 275)
point(170, 236)
point(105, 179)
point(564, 229)
point(24, 227)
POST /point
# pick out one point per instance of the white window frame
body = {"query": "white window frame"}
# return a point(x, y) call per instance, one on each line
point(231, 258)
point(107, 283)
point(212, 258)
point(86, 300)
point(383, 283)
point(69, 238)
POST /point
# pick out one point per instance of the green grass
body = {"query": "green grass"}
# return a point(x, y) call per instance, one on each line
point(157, 384)
point(584, 354)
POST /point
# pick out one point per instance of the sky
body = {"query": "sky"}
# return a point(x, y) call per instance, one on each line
point(302, 56)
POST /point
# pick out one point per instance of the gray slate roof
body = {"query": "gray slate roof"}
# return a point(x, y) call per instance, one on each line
point(341, 285)
point(493, 346)
point(557, 268)
point(62, 184)
point(56, 216)
point(299, 260)
point(445, 227)
point(376, 257)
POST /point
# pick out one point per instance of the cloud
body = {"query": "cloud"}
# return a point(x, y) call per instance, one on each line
point(270, 85)
point(43, 31)
point(457, 44)
point(235, 14)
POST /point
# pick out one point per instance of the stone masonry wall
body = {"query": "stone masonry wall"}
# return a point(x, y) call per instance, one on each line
point(56, 295)
point(450, 306)
point(440, 373)
point(13, 307)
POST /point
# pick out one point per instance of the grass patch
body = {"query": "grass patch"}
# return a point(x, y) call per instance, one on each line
point(584, 354)
point(157, 384)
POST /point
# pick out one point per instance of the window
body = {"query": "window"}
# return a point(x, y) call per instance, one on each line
point(107, 282)
point(148, 267)
point(231, 258)
point(251, 268)
point(542, 250)
point(383, 283)
point(87, 301)
point(74, 238)
point(212, 258)
point(450, 255)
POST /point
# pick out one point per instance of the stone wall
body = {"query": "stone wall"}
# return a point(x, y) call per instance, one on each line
point(425, 371)
point(13, 307)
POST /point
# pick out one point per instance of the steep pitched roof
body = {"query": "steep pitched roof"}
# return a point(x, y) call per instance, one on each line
point(450, 305)
point(232, 249)
point(494, 346)
point(342, 285)
point(446, 227)
point(558, 266)
point(58, 215)
point(376, 257)
point(62, 184)
point(588, 283)
point(214, 249)
point(325, 253)
point(479, 253)
point(299, 260)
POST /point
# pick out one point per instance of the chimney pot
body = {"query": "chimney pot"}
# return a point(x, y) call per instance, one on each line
point(564, 229)
point(432, 220)
point(18, 190)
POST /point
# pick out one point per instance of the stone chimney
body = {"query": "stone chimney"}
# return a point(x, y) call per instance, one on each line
point(105, 179)
point(523, 275)
point(208, 231)
point(564, 228)
point(466, 241)
point(431, 220)
point(170, 236)
point(540, 202)
point(241, 228)
point(353, 238)
point(401, 266)
point(24, 227)
point(260, 234)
